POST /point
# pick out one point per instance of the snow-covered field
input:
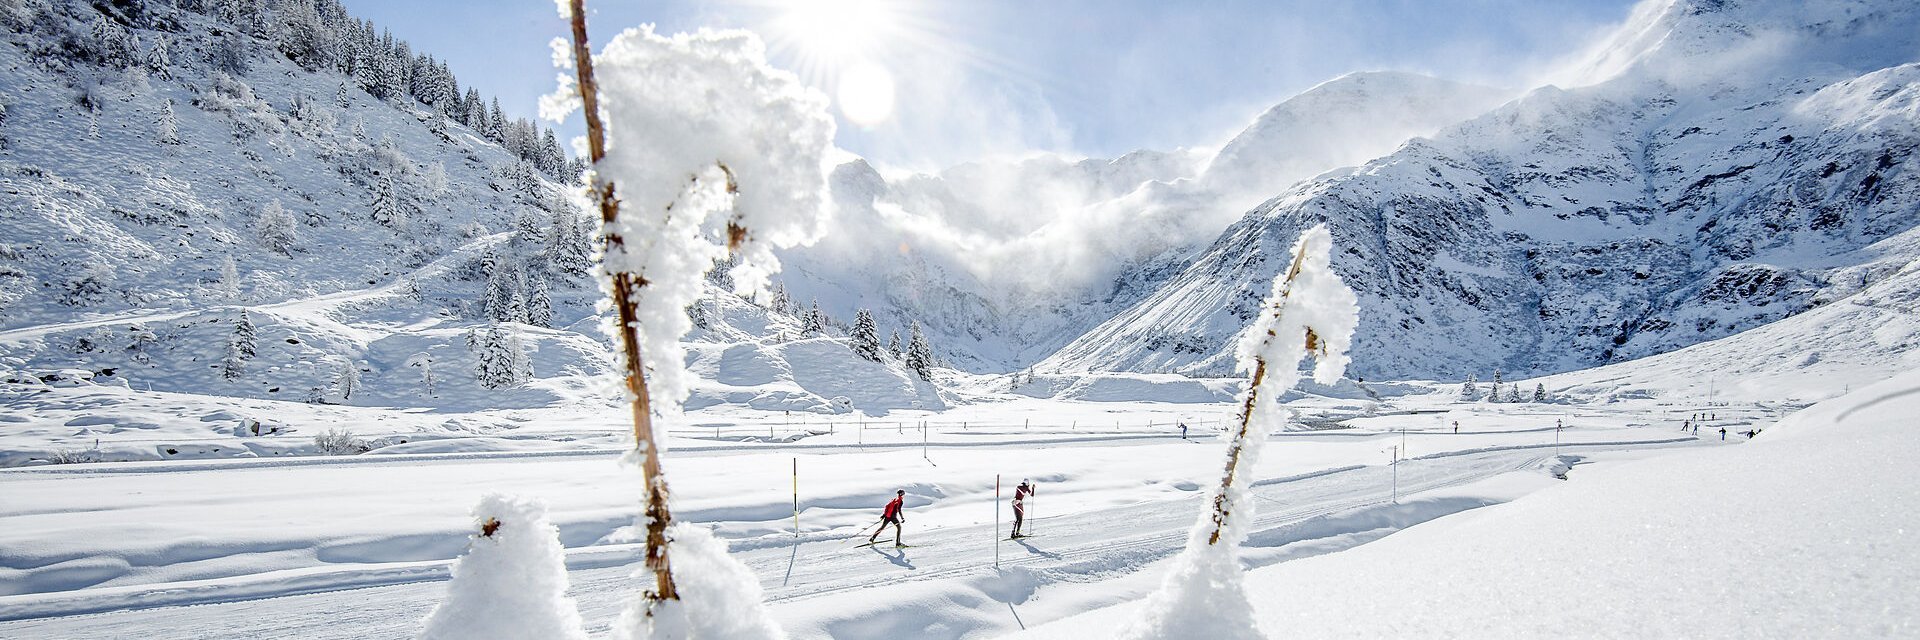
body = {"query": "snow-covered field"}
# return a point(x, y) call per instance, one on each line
point(279, 546)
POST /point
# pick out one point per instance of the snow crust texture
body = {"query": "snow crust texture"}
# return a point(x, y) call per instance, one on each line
point(512, 582)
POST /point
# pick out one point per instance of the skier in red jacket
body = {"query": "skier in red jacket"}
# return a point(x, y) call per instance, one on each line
point(891, 516)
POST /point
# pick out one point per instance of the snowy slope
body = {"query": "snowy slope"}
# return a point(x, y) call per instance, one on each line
point(133, 240)
point(1006, 261)
point(1729, 176)
point(1848, 343)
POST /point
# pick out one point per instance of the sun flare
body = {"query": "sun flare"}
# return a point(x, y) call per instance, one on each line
point(838, 30)
point(839, 44)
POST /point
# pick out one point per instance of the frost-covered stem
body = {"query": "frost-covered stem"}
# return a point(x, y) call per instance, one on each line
point(1222, 506)
point(625, 286)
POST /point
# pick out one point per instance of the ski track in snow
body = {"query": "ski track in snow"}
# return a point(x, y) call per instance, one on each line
point(388, 600)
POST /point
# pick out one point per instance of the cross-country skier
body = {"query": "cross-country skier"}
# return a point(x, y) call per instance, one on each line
point(891, 516)
point(1020, 494)
point(1183, 436)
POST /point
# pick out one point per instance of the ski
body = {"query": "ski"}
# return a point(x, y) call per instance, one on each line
point(869, 544)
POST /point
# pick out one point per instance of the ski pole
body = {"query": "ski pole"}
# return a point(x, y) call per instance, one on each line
point(856, 535)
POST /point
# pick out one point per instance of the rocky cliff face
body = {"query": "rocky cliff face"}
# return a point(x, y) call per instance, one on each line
point(1733, 171)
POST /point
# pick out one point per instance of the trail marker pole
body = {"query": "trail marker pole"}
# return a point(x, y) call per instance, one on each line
point(996, 521)
point(1396, 474)
point(796, 497)
point(1557, 425)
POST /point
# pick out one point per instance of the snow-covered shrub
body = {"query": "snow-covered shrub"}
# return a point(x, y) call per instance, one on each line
point(74, 456)
point(720, 598)
point(1311, 312)
point(715, 154)
point(512, 582)
point(89, 286)
point(340, 442)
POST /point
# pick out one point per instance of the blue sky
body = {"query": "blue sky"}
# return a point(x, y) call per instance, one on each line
point(984, 78)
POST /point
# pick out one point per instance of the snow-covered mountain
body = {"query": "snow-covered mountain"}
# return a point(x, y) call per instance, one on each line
point(1004, 262)
point(210, 198)
point(1732, 164)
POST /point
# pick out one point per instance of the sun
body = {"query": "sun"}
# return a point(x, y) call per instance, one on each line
point(865, 94)
point(837, 44)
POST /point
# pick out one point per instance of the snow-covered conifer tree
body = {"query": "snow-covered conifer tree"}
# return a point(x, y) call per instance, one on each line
point(866, 336)
point(779, 299)
point(512, 582)
point(112, 43)
point(276, 228)
point(496, 123)
point(240, 348)
point(435, 179)
point(810, 321)
point(1540, 392)
point(893, 344)
point(569, 241)
point(168, 125)
point(1311, 312)
point(158, 61)
point(1513, 393)
point(232, 54)
point(539, 303)
point(919, 355)
point(505, 300)
point(476, 111)
point(386, 208)
point(502, 359)
point(1470, 390)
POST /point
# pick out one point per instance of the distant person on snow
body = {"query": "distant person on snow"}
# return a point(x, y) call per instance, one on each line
point(1456, 426)
point(891, 516)
point(1020, 494)
point(1016, 499)
point(1723, 433)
